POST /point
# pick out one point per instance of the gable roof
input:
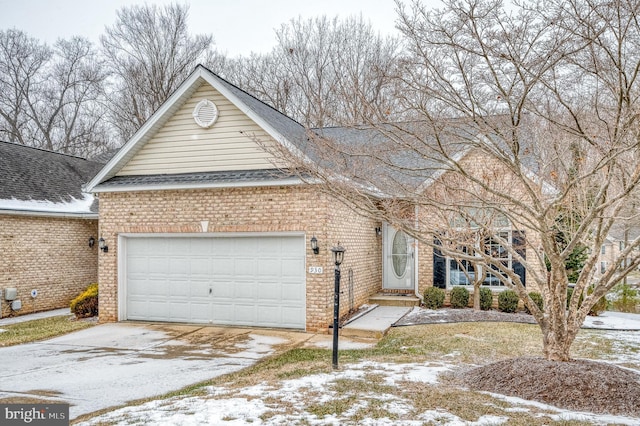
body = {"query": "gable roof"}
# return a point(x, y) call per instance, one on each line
point(34, 180)
point(283, 129)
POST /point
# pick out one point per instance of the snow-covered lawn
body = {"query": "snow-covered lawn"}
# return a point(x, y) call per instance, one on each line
point(363, 393)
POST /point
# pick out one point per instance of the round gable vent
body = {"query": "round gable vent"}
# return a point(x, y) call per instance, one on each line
point(205, 113)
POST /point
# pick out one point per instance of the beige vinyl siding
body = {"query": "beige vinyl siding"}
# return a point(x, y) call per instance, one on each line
point(181, 146)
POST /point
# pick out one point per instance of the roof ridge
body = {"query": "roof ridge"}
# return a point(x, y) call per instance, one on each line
point(252, 96)
point(46, 150)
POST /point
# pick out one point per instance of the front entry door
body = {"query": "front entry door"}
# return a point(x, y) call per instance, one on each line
point(398, 259)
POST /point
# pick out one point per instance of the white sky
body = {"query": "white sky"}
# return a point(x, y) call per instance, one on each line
point(238, 26)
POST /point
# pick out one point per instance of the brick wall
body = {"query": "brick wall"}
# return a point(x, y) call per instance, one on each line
point(261, 209)
point(451, 187)
point(361, 271)
point(50, 255)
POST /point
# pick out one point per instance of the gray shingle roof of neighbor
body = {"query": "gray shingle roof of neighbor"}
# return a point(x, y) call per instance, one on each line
point(201, 178)
point(40, 180)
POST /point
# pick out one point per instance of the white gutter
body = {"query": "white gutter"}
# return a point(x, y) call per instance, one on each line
point(208, 185)
point(69, 215)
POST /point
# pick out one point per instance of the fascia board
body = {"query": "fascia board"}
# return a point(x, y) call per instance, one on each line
point(178, 186)
point(69, 215)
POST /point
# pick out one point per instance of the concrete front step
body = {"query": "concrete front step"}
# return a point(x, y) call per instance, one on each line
point(383, 299)
point(375, 323)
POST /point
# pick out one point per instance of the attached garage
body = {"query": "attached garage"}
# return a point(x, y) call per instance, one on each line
point(256, 280)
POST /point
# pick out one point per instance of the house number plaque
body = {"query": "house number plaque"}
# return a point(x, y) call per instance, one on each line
point(315, 269)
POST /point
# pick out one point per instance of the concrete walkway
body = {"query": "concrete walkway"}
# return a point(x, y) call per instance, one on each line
point(31, 317)
point(375, 323)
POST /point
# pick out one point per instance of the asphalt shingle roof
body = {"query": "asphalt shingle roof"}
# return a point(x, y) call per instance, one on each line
point(219, 177)
point(31, 174)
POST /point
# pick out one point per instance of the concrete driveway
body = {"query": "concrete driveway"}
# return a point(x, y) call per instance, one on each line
point(111, 364)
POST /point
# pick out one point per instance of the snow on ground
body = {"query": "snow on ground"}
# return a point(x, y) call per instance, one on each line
point(287, 401)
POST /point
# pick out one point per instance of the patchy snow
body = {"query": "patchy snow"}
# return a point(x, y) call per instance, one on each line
point(74, 206)
point(287, 401)
point(258, 347)
point(613, 321)
point(566, 415)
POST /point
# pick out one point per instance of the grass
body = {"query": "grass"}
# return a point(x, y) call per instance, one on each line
point(32, 331)
point(367, 397)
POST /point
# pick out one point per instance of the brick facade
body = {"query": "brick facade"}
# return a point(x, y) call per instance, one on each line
point(47, 254)
point(254, 209)
point(488, 169)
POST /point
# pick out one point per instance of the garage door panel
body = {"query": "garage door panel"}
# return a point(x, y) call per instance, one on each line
point(245, 314)
point(200, 266)
point(198, 289)
point(198, 246)
point(291, 267)
point(180, 289)
point(178, 246)
point(222, 289)
point(269, 291)
point(198, 312)
point(255, 281)
point(244, 290)
point(179, 266)
point(222, 312)
point(244, 267)
point(292, 293)
point(270, 315)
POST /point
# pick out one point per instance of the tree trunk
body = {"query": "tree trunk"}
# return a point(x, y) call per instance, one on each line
point(476, 297)
point(557, 333)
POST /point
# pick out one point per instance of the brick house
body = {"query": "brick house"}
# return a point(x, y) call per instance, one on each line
point(46, 221)
point(202, 223)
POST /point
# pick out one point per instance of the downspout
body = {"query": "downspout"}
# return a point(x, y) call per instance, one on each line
point(415, 257)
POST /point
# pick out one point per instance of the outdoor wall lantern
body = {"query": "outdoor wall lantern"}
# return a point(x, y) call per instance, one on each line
point(102, 245)
point(378, 231)
point(92, 241)
point(338, 257)
point(314, 245)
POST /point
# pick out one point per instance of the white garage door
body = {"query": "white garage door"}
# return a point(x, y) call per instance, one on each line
point(252, 281)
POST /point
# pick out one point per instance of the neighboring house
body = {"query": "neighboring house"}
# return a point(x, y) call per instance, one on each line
point(203, 223)
point(46, 221)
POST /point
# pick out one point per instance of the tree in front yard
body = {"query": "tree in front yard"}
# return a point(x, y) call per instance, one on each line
point(520, 146)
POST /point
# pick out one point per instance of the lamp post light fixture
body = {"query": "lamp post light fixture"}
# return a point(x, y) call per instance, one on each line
point(314, 245)
point(102, 245)
point(338, 257)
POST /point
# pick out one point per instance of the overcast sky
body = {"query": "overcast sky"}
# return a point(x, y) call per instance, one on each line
point(238, 26)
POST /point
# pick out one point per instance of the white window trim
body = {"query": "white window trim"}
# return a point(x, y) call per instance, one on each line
point(470, 287)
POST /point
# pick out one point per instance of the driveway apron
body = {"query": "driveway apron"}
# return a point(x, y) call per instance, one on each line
point(111, 364)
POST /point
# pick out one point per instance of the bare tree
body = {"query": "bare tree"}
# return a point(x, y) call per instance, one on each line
point(524, 146)
point(149, 52)
point(22, 59)
point(51, 97)
point(323, 71)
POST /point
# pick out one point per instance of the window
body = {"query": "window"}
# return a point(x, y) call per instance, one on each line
point(603, 249)
point(462, 272)
point(603, 267)
point(621, 245)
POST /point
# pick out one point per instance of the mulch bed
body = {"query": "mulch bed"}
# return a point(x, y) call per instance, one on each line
point(440, 316)
point(578, 385)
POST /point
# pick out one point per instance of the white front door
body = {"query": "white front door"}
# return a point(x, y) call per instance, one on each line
point(398, 259)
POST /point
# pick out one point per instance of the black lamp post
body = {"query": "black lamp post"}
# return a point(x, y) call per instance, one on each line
point(338, 257)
